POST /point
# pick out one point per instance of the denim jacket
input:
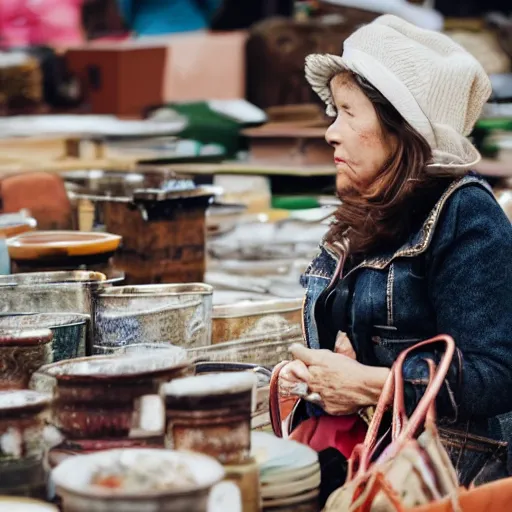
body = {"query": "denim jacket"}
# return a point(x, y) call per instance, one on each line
point(453, 276)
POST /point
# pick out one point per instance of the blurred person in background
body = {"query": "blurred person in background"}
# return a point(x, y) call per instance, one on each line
point(156, 17)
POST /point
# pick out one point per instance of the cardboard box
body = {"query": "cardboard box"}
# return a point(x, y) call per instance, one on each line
point(120, 78)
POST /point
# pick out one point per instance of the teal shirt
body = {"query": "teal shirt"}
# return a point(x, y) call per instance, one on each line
point(154, 17)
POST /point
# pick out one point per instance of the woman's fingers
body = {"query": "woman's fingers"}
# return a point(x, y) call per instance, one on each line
point(309, 356)
point(297, 370)
point(293, 379)
point(344, 346)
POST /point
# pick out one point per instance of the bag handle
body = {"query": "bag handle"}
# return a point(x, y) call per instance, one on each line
point(406, 428)
point(403, 428)
point(275, 412)
point(273, 400)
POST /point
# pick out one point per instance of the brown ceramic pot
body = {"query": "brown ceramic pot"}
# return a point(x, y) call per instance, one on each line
point(97, 397)
point(22, 352)
point(211, 414)
point(22, 447)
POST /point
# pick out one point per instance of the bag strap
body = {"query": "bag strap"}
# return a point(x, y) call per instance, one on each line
point(273, 399)
point(407, 428)
point(341, 248)
point(403, 428)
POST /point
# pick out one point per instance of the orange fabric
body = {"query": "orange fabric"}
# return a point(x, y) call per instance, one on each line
point(493, 497)
point(42, 193)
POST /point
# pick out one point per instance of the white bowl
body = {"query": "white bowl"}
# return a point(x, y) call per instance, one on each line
point(73, 476)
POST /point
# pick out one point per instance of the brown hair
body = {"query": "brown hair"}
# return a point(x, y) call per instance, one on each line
point(379, 216)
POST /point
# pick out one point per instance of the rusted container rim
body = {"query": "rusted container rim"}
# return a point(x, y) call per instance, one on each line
point(35, 402)
point(157, 290)
point(259, 307)
point(156, 194)
point(24, 337)
point(101, 378)
point(50, 320)
point(60, 277)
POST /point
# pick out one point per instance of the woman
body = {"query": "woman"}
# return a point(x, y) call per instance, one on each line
point(423, 246)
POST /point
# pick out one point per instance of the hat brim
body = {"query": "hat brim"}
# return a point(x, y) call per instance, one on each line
point(320, 70)
point(452, 152)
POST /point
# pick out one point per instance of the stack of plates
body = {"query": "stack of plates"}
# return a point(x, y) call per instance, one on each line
point(289, 473)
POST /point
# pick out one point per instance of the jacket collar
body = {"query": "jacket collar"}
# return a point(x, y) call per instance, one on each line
point(420, 241)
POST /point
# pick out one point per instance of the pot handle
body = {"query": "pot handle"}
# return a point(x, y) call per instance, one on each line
point(149, 415)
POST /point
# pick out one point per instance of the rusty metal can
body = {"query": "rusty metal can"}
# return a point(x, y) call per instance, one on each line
point(211, 414)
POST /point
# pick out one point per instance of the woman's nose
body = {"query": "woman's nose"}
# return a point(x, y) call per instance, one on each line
point(332, 135)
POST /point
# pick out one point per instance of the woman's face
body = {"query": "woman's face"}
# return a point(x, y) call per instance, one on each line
point(361, 147)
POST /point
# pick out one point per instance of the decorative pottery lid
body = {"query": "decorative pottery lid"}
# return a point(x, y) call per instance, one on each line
point(211, 384)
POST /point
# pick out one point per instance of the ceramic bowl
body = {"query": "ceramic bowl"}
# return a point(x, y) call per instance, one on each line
point(99, 397)
point(72, 479)
point(22, 352)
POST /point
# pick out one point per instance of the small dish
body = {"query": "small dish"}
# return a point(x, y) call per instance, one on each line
point(52, 244)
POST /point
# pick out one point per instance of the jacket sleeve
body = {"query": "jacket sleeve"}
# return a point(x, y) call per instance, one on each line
point(469, 279)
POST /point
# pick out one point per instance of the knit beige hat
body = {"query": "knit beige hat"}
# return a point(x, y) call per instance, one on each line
point(436, 85)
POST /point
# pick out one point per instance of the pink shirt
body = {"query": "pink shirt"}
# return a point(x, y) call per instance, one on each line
point(40, 22)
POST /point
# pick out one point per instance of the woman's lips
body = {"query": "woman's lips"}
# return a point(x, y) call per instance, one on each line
point(339, 161)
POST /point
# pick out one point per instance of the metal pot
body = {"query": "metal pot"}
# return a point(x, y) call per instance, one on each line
point(69, 331)
point(180, 314)
point(53, 292)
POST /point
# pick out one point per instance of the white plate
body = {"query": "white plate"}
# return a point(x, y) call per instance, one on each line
point(293, 500)
point(275, 455)
point(285, 476)
point(290, 489)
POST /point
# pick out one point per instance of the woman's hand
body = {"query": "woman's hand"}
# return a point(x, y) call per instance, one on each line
point(293, 379)
point(344, 384)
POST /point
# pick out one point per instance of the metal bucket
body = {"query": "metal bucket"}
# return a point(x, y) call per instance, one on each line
point(53, 292)
point(69, 331)
point(180, 314)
